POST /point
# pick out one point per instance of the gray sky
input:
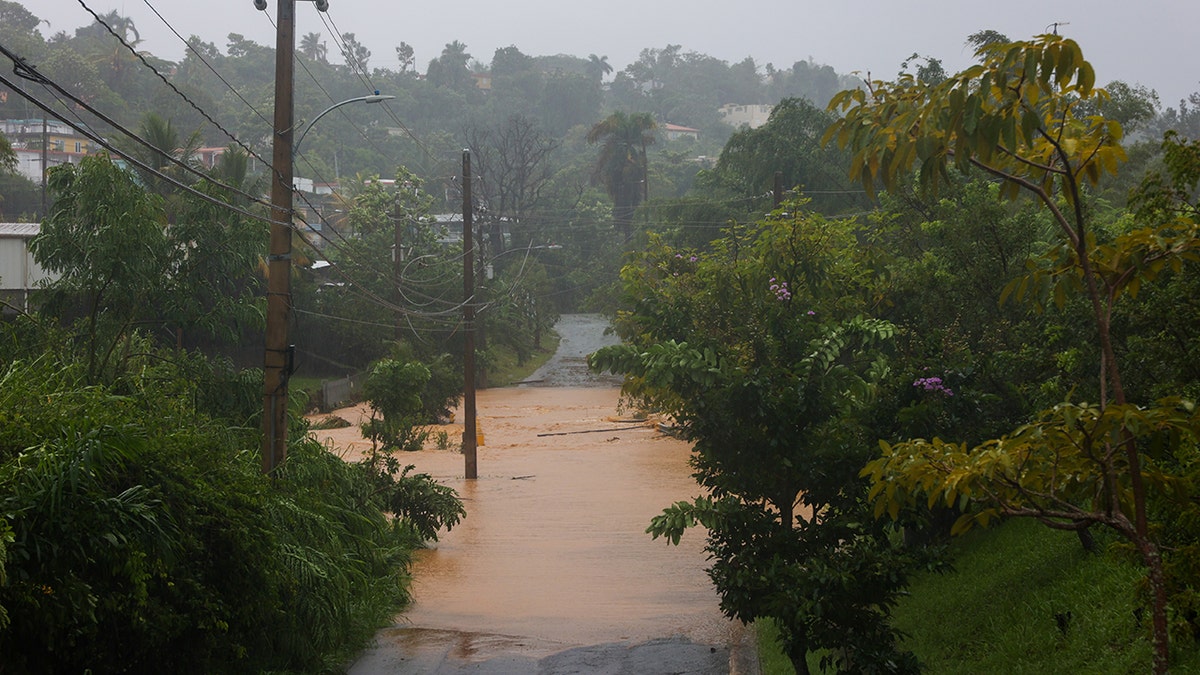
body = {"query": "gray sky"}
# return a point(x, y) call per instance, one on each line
point(1151, 42)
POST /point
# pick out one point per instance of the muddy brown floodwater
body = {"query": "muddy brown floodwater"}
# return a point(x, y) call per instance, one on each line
point(551, 571)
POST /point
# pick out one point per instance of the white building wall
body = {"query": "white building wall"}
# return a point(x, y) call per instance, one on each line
point(753, 116)
point(19, 274)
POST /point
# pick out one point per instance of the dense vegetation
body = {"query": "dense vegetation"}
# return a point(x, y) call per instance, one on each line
point(1014, 316)
point(140, 534)
point(985, 340)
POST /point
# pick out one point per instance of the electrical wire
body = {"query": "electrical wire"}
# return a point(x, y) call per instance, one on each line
point(248, 150)
point(92, 136)
point(203, 60)
point(336, 32)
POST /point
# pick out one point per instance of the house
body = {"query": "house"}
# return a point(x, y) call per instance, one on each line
point(208, 157)
point(19, 274)
point(34, 138)
point(674, 132)
point(753, 116)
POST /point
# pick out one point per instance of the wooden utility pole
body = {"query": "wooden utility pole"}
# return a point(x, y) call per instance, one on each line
point(276, 366)
point(469, 429)
point(45, 166)
point(398, 267)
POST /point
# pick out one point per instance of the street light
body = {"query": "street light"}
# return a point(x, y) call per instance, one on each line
point(277, 361)
point(372, 98)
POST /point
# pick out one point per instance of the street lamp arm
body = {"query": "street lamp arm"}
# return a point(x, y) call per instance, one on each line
point(373, 98)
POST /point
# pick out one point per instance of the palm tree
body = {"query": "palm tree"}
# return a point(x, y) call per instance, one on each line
point(450, 69)
point(598, 67)
point(622, 167)
point(312, 48)
point(168, 148)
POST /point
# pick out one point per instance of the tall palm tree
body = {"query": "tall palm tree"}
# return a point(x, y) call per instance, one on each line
point(450, 69)
point(598, 67)
point(313, 48)
point(622, 167)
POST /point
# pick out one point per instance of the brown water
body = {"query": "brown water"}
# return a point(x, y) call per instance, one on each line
point(553, 552)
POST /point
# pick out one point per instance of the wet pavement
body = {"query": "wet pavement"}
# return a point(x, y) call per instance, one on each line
point(551, 572)
point(581, 334)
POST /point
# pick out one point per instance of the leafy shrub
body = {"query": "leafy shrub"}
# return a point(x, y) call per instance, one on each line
point(393, 389)
point(138, 534)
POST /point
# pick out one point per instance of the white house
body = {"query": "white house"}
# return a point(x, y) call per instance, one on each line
point(19, 274)
point(753, 116)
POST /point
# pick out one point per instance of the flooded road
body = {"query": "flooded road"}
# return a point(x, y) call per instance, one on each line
point(551, 571)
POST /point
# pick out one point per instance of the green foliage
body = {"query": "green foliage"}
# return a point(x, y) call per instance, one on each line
point(8, 158)
point(622, 166)
point(760, 352)
point(789, 144)
point(105, 240)
point(140, 534)
point(120, 263)
point(393, 388)
point(1014, 113)
point(1021, 116)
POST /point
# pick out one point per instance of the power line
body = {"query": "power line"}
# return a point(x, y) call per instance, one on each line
point(92, 136)
point(200, 56)
point(182, 95)
point(24, 70)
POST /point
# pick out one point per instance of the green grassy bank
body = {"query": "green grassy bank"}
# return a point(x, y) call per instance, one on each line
point(1023, 598)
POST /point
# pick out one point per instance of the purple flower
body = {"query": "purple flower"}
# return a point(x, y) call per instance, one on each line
point(693, 259)
point(811, 313)
point(933, 385)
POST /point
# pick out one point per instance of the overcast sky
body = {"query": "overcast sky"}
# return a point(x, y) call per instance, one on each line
point(1150, 42)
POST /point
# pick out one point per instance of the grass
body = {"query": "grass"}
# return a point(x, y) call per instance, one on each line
point(504, 369)
point(999, 610)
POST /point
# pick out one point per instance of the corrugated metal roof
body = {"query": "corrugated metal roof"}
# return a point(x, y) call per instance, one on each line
point(19, 230)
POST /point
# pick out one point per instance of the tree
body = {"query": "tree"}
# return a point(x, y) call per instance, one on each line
point(450, 69)
point(622, 167)
point(598, 67)
point(1015, 116)
point(19, 30)
point(760, 353)
point(405, 54)
point(167, 148)
point(514, 160)
point(788, 144)
point(393, 389)
point(213, 288)
point(8, 157)
point(313, 48)
point(105, 240)
point(355, 53)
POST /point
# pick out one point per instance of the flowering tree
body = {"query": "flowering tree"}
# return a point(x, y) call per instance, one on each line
point(763, 355)
point(1015, 116)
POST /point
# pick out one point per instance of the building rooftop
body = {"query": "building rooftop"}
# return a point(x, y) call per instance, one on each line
point(19, 230)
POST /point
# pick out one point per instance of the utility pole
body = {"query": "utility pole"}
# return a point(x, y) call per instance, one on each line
point(45, 166)
point(276, 363)
point(778, 193)
point(398, 267)
point(469, 430)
